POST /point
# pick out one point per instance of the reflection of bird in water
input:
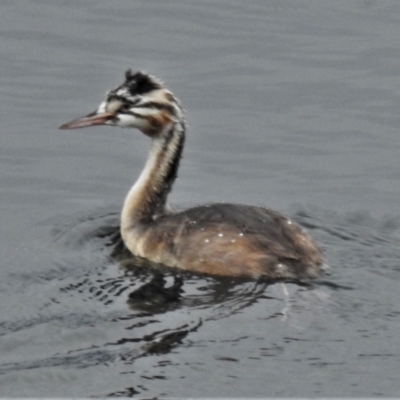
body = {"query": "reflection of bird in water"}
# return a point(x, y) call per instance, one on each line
point(220, 239)
point(155, 296)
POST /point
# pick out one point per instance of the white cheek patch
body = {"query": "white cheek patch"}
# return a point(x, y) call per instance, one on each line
point(113, 106)
point(130, 121)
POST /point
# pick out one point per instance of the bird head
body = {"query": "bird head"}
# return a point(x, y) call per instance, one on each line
point(141, 102)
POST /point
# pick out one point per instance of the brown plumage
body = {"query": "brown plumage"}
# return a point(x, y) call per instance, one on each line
point(219, 239)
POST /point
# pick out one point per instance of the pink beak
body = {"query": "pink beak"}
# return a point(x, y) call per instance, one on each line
point(91, 119)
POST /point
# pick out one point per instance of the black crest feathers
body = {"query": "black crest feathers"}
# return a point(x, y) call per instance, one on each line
point(140, 82)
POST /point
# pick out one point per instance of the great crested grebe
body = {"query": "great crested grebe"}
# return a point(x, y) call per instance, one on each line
point(218, 239)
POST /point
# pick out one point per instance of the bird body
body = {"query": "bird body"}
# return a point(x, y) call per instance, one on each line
point(219, 239)
point(227, 239)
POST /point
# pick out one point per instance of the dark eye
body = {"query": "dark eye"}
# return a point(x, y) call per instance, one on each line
point(125, 107)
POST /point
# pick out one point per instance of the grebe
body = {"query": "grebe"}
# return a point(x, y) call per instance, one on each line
point(218, 239)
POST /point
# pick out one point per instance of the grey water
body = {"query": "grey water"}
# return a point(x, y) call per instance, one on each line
point(292, 105)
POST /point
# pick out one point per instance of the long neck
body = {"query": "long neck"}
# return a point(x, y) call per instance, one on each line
point(148, 196)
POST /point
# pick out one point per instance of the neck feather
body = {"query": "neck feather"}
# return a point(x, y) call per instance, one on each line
point(148, 196)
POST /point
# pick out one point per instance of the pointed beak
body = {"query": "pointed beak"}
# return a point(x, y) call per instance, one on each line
point(91, 119)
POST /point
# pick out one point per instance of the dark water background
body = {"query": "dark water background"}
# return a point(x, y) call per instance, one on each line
point(292, 105)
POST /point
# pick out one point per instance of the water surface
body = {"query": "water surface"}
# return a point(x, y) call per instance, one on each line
point(291, 105)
